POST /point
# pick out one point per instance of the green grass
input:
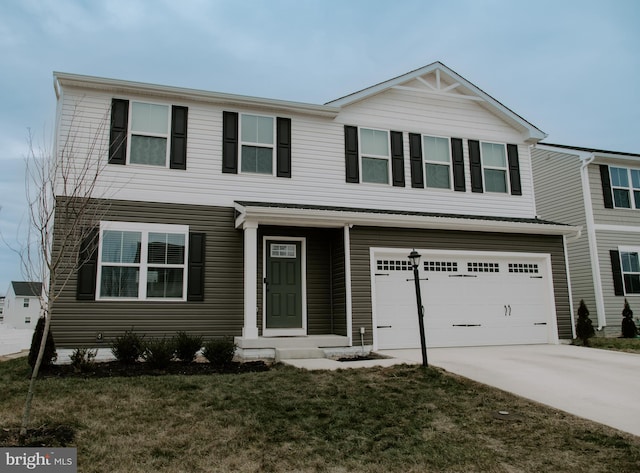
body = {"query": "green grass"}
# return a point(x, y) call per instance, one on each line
point(629, 345)
point(399, 419)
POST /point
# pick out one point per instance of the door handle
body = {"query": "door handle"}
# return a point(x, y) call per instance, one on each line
point(505, 310)
point(509, 306)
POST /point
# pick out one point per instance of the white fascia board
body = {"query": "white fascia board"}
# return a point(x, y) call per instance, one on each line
point(63, 79)
point(599, 157)
point(333, 219)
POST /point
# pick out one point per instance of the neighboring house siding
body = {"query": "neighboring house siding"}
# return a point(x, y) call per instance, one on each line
point(602, 215)
point(318, 161)
point(76, 323)
point(363, 238)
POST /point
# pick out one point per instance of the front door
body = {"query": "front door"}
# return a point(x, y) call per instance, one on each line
point(283, 285)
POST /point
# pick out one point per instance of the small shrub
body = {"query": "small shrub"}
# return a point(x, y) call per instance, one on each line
point(82, 359)
point(50, 354)
point(219, 351)
point(629, 329)
point(584, 326)
point(127, 348)
point(159, 352)
point(187, 346)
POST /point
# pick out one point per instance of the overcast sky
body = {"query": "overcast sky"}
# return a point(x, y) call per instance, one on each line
point(570, 67)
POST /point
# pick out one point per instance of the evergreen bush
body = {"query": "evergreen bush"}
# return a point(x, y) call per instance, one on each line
point(584, 326)
point(629, 329)
point(219, 351)
point(187, 346)
point(50, 354)
point(159, 352)
point(128, 347)
point(82, 359)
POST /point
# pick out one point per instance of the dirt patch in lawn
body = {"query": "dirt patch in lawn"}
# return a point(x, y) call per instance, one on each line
point(43, 436)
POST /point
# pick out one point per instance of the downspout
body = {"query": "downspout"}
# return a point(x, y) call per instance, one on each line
point(586, 159)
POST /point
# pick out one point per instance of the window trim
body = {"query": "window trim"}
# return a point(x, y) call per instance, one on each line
point(272, 146)
point(362, 155)
point(440, 163)
point(627, 249)
point(505, 169)
point(630, 189)
point(143, 265)
point(167, 136)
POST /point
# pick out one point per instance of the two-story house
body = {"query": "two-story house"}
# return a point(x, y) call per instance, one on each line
point(285, 224)
point(600, 191)
point(22, 304)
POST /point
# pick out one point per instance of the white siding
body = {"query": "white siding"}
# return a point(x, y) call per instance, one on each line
point(318, 163)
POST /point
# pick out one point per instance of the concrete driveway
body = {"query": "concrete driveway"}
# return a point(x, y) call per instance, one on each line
point(599, 385)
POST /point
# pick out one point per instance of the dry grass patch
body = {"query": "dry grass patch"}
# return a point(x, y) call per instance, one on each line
point(629, 345)
point(399, 419)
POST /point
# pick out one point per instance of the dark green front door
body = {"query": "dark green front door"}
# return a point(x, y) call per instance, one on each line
point(284, 284)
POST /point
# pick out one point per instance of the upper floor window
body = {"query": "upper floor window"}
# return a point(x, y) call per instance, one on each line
point(625, 184)
point(149, 134)
point(437, 161)
point(257, 144)
point(142, 261)
point(375, 155)
point(25, 302)
point(494, 167)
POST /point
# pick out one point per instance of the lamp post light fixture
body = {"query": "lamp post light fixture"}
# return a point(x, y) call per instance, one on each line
point(414, 257)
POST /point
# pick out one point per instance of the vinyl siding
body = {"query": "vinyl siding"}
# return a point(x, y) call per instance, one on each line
point(318, 164)
point(363, 238)
point(602, 215)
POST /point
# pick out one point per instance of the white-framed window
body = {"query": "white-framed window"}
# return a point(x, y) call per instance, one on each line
point(257, 143)
point(494, 167)
point(630, 263)
point(625, 183)
point(25, 302)
point(437, 161)
point(139, 261)
point(375, 155)
point(27, 320)
point(149, 131)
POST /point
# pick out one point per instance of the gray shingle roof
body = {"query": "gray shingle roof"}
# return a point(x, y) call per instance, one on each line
point(27, 288)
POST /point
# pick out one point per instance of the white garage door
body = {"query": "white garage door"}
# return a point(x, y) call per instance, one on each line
point(469, 299)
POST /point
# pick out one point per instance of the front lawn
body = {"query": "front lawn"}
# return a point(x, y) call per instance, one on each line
point(399, 419)
point(630, 345)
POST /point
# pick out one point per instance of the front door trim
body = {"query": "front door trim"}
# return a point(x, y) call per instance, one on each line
point(283, 332)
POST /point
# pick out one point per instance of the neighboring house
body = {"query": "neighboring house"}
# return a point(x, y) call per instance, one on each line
point(2, 308)
point(22, 304)
point(289, 224)
point(600, 191)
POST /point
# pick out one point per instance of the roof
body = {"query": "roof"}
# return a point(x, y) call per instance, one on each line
point(26, 288)
point(591, 150)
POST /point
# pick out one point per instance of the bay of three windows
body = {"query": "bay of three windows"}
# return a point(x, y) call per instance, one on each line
point(375, 161)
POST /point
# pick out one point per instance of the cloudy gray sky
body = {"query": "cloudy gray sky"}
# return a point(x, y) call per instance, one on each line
point(570, 67)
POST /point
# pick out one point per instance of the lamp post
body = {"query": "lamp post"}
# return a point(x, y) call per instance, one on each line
point(414, 257)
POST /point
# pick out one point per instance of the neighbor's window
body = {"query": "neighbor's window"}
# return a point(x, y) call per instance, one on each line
point(257, 144)
point(631, 271)
point(25, 303)
point(375, 155)
point(149, 134)
point(494, 167)
point(626, 187)
point(142, 261)
point(437, 158)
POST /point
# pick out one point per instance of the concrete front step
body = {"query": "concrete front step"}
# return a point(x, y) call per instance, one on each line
point(298, 354)
point(310, 341)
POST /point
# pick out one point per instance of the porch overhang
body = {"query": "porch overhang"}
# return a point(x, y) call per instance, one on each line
point(287, 214)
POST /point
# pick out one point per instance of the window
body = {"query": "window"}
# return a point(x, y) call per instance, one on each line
point(25, 303)
point(625, 184)
point(142, 261)
point(437, 157)
point(27, 320)
point(257, 144)
point(149, 134)
point(630, 271)
point(374, 155)
point(494, 167)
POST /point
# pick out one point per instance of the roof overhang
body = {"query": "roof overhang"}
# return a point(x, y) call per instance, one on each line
point(265, 213)
point(594, 155)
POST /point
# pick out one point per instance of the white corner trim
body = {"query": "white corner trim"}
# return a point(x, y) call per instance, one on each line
point(347, 280)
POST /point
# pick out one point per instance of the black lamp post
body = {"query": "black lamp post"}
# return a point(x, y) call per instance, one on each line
point(414, 257)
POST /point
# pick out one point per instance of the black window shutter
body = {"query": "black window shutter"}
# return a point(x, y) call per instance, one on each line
point(178, 157)
point(230, 142)
point(415, 160)
point(283, 153)
point(606, 186)
point(119, 130)
point(195, 283)
point(618, 281)
point(476, 166)
point(87, 266)
point(458, 165)
point(351, 153)
point(514, 169)
point(397, 158)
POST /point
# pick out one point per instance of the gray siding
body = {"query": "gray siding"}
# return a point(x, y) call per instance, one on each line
point(602, 215)
point(363, 238)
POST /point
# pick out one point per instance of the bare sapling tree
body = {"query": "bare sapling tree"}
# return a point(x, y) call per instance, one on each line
point(61, 185)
